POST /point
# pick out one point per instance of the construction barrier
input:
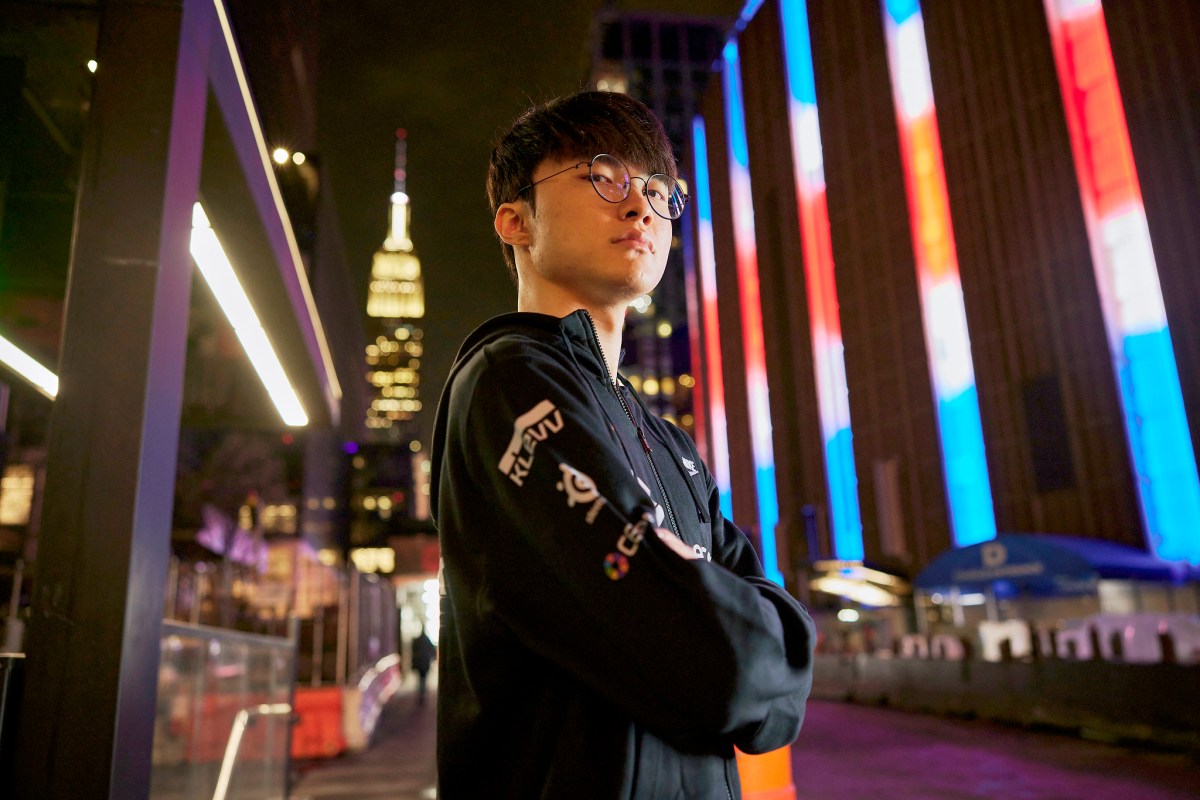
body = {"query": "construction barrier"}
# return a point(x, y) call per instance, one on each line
point(767, 776)
point(318, 732)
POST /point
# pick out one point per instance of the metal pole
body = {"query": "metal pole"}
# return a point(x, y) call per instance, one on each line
point(4, 392)
point(96, 614)
point(14, 627)
point(194, 610)
point(318, 644)
point(921, 607)
point(956, 607)
point(293, 632)
point(343, 639)
point(172, 587)
point(14, 599)
point(355, 602)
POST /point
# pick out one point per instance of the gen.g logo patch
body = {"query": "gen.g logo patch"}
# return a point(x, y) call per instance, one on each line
point(616, 564)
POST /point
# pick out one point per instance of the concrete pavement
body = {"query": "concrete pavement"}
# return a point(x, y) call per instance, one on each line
point(845, 752)
point(399, 764)
point(854, 752)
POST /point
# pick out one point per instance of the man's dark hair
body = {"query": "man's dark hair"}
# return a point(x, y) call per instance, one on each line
point(580, 126)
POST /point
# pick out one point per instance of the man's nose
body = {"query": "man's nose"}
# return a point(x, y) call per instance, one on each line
point(637, 205)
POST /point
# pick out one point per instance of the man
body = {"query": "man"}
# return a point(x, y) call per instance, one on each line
point(605, 632)
point(422, 655)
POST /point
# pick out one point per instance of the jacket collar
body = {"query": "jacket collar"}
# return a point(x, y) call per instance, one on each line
point(576, 328)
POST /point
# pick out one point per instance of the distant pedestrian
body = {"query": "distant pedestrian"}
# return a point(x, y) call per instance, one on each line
point(423, 653)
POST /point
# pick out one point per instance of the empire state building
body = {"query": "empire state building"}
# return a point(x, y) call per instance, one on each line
point(396, 305)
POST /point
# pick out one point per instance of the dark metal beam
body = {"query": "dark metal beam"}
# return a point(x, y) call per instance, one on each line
point(88, 708)
point(242, 121)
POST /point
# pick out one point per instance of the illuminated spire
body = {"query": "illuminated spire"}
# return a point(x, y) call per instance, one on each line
point(398, 238)
point(397, 291)
point(397, 300)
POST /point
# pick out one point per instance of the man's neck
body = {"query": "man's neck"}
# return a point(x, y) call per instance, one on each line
point(609, 319)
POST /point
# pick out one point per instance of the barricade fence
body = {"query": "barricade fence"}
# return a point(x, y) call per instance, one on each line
point(223, 726)
point(1147, 638)
point(1152, 703)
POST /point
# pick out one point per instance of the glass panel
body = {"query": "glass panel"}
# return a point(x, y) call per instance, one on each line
point(216, 685)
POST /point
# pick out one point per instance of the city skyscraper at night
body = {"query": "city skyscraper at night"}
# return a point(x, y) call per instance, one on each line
point(395, 305)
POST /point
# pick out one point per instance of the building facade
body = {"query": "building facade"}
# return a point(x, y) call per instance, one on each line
point(936, 284)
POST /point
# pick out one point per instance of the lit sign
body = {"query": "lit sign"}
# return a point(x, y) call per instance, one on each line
point(16, 494)
point(374, 559)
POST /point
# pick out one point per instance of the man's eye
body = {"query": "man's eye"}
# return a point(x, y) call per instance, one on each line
point(604, 179)
point(655, 194)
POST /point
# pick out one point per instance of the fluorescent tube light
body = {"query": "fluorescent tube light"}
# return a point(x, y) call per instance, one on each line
point(218, 273)
point(24, 365)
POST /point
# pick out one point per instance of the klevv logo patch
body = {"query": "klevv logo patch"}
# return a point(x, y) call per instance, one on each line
point(534, 426)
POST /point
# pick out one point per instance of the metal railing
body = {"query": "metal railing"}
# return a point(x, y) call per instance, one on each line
point(243, 720)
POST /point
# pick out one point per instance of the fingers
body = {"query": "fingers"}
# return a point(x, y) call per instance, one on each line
point(676, 544)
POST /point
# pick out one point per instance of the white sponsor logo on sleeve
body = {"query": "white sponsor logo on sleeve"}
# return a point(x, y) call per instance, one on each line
point(579, 487)
point(616, 563)
point(580, 490)
point(534, 426)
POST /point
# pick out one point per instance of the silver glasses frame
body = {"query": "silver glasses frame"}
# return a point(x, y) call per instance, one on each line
point(625, 190)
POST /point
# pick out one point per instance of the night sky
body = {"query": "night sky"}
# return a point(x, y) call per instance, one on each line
point(454, 75)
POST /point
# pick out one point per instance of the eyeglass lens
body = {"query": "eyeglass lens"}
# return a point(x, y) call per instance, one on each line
point(610, 179)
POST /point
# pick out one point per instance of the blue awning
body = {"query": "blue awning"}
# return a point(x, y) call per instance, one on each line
point(1042, 563)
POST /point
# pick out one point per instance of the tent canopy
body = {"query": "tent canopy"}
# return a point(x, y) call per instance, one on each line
point(1042, 563)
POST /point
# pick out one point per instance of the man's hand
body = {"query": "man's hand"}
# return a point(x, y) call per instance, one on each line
point(675, 543)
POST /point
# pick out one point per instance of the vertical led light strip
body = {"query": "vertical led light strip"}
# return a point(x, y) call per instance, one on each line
point(972, 518)
point(714, 388)
point(1127, 279)
point(828, 359)
point(751, 307)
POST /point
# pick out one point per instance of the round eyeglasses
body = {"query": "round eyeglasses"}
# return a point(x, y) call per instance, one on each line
point(610, 178)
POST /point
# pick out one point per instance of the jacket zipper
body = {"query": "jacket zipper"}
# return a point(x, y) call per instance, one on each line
point(662, 489)
point(701, 515)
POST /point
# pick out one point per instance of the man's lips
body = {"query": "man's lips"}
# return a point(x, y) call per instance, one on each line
point(636, 238)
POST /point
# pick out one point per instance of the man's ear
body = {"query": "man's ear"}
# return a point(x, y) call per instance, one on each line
point(511, 225)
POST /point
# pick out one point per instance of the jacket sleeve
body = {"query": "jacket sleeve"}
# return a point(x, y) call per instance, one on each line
point(789, 621)
point(684, 647)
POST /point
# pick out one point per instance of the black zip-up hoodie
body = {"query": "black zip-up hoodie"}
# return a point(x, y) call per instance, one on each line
point(579, 656)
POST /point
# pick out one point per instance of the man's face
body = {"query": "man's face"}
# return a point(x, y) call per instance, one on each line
point(601, 251)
